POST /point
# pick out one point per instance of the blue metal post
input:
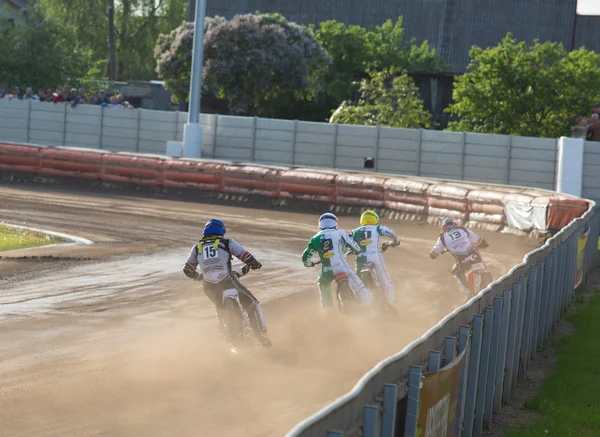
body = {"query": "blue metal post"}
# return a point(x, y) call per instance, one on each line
point(544, 315)
point(529, 317)
point(435, 361)
point(412, 404)
point(473, 375)
point(390, 401)
point(521, 320)
point(553, 289)
point(493, 364)
point(370, 421)
point(502, 348)
point(335, 433)
point(572, 266)
point(560, 282)
point(512, 348)
point(539, 283)
point(484, 364)
point(464, 333)
point(449, 351)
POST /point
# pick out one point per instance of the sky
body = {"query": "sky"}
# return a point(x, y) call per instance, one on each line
point(588, 7)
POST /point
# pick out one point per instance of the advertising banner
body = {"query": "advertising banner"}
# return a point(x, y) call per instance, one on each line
point(439, 400)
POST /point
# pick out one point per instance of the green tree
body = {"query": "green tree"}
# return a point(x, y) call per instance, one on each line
point(525, 90)
point(39, 55)
point(387, 98)
point(260, 64)
point(354, 50)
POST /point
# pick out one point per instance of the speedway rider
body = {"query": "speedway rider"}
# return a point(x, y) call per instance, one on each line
point(213, 254)
point(367, 237)
point(462, 244)
point(330, 244)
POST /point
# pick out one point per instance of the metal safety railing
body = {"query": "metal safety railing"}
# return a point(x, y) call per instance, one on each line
point(499, 332)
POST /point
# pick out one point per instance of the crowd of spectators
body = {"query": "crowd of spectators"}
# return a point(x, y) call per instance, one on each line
point(591, 123)
point(70, 95)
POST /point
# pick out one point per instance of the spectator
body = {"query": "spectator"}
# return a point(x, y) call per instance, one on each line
point(58, 96)
point(73, 97)
point(41, 95)
point(101, 98)
point(597, 109)
point(29, 94)
point(120, 98)
point(594, 127)
point(127, 105)
point(82, 95)
point(86, 100)
point(2, 92)
point(580, 120)
point(66, 93)
point(49, 94)
point(114, 102)
point(17, 93)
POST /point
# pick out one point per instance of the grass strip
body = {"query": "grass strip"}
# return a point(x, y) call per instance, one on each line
point(15, 238)
point(569, 400)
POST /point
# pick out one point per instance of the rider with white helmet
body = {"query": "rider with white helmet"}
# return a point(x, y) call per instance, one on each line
point(461, 243)
point(213, 254)
point(367, 236)
point(330, 244)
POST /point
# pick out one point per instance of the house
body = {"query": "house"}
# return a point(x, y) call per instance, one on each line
point(13, 9)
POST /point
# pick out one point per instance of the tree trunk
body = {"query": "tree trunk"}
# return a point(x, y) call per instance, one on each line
point(191, 10)
point(112, 56)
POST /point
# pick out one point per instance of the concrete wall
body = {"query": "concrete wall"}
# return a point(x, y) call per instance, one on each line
point(591, 170)
point(454, 155)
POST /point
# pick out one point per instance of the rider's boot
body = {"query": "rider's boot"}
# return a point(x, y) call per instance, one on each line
point(263, 339)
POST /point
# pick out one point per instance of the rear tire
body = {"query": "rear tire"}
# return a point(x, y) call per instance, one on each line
point(233, 321)
point(345, 295)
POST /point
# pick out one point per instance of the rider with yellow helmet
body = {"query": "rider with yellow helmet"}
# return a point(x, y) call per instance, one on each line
point(367, 236)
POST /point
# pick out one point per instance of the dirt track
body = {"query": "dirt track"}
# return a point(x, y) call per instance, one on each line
point(120, 343)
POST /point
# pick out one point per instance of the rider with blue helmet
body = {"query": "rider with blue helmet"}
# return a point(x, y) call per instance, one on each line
point(213, 254)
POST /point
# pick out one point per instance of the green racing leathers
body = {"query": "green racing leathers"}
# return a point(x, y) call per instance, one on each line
point(330, 245)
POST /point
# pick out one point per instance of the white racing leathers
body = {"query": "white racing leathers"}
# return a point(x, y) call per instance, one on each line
point(368, 238)
point(213, 256)
point(459, 242)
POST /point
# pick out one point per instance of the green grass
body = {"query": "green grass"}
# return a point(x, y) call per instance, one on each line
point(13, 238)
point(569, 400)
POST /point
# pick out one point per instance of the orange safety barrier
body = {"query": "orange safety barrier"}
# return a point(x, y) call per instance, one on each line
point(521, 208)
point(562, 210)
point(250, 179)
point(358, 189)
point(133, 169)
point(183, 173)
point(308, 184)
point(19, 158)
point(71, 163)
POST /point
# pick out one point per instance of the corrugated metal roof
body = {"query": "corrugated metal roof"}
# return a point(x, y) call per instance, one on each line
point(452, 27)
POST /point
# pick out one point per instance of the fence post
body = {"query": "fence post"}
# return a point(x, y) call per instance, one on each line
point(137, 137)
point(376, 154)
point(370, 420)
point(101, 127)
point(560, 281)
point(493, 364)
point(419, 152)
point(573, 269)
point(545, 301)
point(521, 319)
point(553, 288)
point(335, 433)
point(28, 125)
point(294, 142)
point(64, 128)
point(529, 320)
point(435, 361)
point(538, 307)
point(335, 137)
point(512, 347)
point(412, 402)
point(464, 333)
point(484, 365)
point(449, 350)
point(253, 139)
point(508, 159)
point(216, 127)
point(502, 349)
point(390, 401)
point(462, 158)
point(472, 376)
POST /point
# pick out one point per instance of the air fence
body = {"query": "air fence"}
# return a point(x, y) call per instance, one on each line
point(459, 374)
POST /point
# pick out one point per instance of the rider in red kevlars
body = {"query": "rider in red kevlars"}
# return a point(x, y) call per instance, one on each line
point(213, 254)
point(462, 243)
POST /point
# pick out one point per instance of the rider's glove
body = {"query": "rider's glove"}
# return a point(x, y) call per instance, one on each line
point(192, 274)
point(253, 263)
point(432, 255)
point(309, 264)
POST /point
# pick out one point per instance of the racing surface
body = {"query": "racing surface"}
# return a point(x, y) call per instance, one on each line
point(112, 339)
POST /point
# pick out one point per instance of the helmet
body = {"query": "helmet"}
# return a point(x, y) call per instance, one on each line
point(369, 218)
point(328, 221)
point(214, 228)
point(449, 223)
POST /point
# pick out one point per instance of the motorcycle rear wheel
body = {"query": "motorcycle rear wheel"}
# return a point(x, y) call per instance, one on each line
point(233, 321)
point(346, 299)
